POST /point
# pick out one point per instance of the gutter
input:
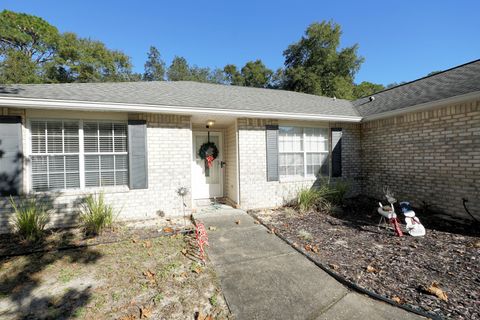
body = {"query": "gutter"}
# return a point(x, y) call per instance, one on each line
point(152, 108)
point(423, 106)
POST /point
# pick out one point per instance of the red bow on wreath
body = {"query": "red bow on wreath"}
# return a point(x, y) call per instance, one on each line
point(209, 160)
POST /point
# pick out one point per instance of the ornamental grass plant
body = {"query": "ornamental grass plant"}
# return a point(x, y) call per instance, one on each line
point(29, 219)
point(96, 215)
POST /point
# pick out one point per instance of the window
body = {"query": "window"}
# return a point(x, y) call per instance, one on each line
point(106, 162)
point(303, 152)
point(59, 147)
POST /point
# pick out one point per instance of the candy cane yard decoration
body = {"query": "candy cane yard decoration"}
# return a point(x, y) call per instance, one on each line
point(202, 239)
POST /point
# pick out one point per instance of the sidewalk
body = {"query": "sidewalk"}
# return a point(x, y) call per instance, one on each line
point(262, 277)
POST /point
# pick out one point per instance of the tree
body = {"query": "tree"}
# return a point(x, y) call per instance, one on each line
point(32, 36)
point(154, 67)
point(32, 50)
point(179, 70)
point(232, 75)
point(256, 74)
point(315, 64)
point(366, 88)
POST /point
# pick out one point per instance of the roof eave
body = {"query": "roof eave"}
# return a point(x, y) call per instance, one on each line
point(35, 103)
point(423, 106)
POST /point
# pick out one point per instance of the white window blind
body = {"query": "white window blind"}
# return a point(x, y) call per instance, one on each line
point(55, 155)
point(56, 152)
point(106, 157)
point(303, 152)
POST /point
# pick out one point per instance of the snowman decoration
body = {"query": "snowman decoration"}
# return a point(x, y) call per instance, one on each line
point(414, 227)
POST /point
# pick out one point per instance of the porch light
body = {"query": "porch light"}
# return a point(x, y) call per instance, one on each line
point(210, 123)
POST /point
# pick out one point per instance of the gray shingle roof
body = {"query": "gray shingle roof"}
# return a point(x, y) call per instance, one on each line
point(186, 94)
point(450, 83)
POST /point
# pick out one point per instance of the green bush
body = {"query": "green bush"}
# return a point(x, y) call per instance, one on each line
point(313, 198)
point(96, 215)
point(324, 198)
point(30, 218)
point(339, 190)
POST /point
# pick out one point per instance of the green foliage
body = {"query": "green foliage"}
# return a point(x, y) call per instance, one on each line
point(213, 300)
point(316, 65)
point(366, 89)
point(96, 215)
point(30, 218)
point(305, 235)
point(314, 198)
point(32, 50)
point(154, 67)
point(253, 74)
point(324, 198)
point(179, 70)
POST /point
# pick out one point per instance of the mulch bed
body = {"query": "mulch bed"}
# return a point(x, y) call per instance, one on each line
point(400, 269)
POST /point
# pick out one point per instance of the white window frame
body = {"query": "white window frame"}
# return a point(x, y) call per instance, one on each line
point(81, 155)
point(305, 176)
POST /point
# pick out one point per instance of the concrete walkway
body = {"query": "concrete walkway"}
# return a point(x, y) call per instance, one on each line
point(262, 277)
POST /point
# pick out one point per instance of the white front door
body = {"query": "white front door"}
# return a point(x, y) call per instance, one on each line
point(207, 184)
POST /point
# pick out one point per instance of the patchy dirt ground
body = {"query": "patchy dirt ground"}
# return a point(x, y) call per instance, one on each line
point(398, 268)
point(158, 278)
point(11, 244)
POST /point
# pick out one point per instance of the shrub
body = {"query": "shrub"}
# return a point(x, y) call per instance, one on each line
point(314, 198)
point(30, 218)
point(305, 235)
point(339, 190)
point(96, 215)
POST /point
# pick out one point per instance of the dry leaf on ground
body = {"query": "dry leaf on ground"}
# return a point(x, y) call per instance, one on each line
point(372, 269)
point(147, 244)
point(168, 230)
point(184, 251)
point(128, 317)
point(212, 228)
point(256, 222)
point(149, 275)
point(145, 312)
point(201, 316)
point(237, 222)
point(435, 290)
point(334, 266)
point(398, 300)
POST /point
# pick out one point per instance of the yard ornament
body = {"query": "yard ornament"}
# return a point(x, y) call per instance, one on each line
point(414, 226)
point(388, 213)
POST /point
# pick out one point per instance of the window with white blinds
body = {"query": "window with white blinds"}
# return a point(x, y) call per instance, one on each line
point(106, 158)
point(57, 152)
point(303, 152)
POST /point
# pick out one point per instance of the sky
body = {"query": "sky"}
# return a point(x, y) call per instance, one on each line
point(400, 40)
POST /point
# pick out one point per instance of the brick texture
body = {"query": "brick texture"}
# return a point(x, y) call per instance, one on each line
point(169, 142)
point(431, 156)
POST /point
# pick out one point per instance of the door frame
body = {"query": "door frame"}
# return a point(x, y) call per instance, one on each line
point(220, 134)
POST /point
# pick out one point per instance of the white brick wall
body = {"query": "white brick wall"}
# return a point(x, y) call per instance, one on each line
point(169, 167)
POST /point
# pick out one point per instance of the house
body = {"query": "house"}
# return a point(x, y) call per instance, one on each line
point(139, 142)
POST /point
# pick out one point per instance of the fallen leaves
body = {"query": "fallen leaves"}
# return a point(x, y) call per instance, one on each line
point(145, 312)
point(256, 222)
point(201, 316)
point(168, 230)
point(334, 266)
point(150, 276)
point(435, 290)
point(184, 251)
point(212, 228)
point(128, 317)
point(311, 248)
point(147, 244)
point(398, 300)
point(238, 222)
point(372, 269)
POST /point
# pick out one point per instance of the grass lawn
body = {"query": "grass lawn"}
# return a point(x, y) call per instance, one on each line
point(133, 279)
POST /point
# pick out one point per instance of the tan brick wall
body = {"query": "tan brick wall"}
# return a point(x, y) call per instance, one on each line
point(431, 156)
point(169, 167)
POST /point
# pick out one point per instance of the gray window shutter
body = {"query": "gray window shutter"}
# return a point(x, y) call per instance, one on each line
point(11, 156)
point(272, 152)
point(137, 154)
point(336, 152)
